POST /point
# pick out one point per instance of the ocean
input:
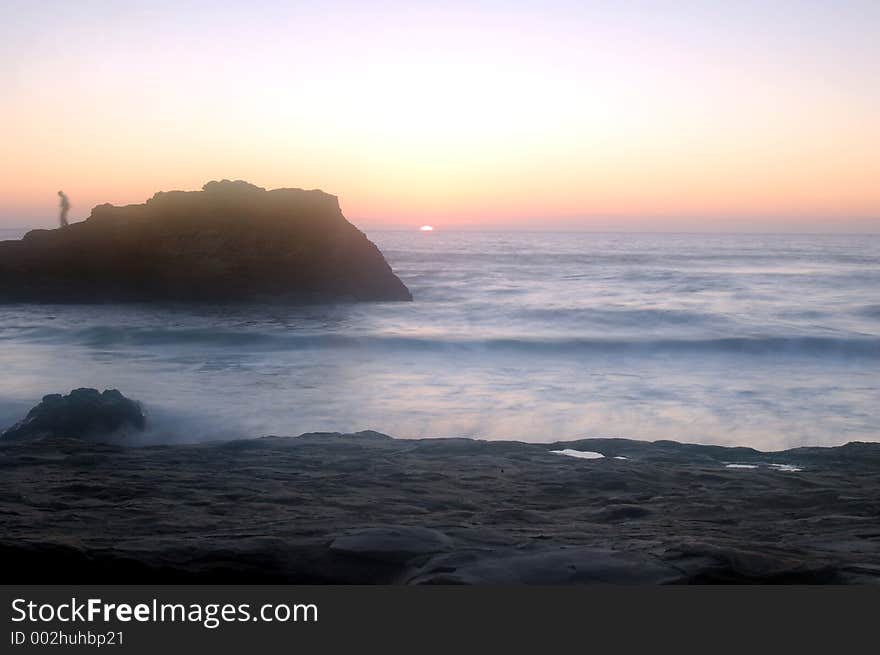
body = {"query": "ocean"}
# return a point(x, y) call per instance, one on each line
point(769, 341)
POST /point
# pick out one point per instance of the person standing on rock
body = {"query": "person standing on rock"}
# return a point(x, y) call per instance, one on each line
point(65, 207)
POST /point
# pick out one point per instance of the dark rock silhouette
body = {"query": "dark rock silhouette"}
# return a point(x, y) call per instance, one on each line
point(83, 414)
point(232, 241)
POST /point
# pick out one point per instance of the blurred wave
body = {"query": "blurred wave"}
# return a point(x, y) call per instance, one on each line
point(109, 336)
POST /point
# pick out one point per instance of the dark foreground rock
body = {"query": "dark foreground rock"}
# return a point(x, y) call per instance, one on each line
point(363, 508)
point(232, 241)
point(82, 414)
point(391, 543)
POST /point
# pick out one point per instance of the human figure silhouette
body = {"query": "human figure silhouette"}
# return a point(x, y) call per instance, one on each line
point(65, 207)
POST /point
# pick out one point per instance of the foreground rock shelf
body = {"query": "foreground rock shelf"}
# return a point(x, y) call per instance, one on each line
point(232, 241)
point(364, 508)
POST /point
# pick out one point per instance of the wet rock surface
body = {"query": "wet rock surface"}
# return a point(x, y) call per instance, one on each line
point(82, 414)
point(363, 508)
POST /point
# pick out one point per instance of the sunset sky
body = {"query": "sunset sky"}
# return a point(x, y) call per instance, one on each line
point(564, 115)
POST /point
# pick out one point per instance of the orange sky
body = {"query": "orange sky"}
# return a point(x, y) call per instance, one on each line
point(479, 115)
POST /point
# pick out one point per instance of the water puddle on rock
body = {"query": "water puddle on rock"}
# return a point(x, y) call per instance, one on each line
point(582, 454)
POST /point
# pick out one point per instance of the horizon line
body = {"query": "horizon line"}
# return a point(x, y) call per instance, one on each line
point(873, 233)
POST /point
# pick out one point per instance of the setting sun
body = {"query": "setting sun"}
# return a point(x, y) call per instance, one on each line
point(427, 228)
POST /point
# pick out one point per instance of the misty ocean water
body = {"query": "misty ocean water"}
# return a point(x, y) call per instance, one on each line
point(769, 341)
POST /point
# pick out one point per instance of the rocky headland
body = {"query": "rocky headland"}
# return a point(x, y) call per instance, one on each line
point(231, 241)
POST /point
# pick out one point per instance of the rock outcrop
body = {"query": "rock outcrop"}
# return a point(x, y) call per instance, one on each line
point(327, 508)
point(82, 414)
point(232, 241)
